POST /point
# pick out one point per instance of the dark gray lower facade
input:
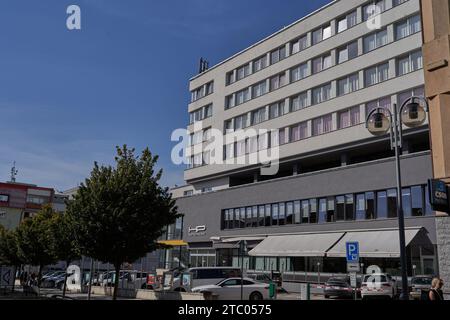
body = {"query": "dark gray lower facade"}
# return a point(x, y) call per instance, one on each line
point(205, 228)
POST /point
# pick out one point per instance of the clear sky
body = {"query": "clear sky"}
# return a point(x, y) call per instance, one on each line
point(67, 98)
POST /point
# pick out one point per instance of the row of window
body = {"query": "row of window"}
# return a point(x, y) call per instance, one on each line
point(202, 91)
point(300, 131)
point(373, 75)
point(350, 207)
point(30, 199)
point(318, 35)
point(201, 114)
point(4, 198)
point(371, 42)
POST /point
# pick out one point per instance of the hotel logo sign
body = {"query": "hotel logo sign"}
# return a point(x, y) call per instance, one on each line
point(197, 231)
point(439, 195)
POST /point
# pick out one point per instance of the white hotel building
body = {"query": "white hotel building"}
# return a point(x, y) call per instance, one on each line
point(312, 84)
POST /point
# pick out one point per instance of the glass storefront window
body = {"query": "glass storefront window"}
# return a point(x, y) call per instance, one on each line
point(282, 214)
point(275, 214)
point(370, 206)
point(313, 211)
point(360, 206)
point(289, 213)
point(268, 215)
point(382, 205)
point(340, 208)
point(322, 210)
point(297, 212)
point(349, 207)
point(249, 220)
point(406, 196)
point(305, 211)
point(392, 203)
point(330, 209)
point(417, 201)
point(262, 216)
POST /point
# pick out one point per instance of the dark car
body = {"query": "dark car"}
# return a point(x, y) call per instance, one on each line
point(339, 288)
point(420, 287)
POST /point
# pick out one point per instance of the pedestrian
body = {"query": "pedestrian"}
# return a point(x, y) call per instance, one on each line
point(436, 293)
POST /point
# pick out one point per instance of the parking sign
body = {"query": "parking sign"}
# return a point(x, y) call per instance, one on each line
point(352, 252)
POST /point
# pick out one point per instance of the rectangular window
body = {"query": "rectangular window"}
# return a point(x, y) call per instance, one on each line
point(376, 74)
point(350, 117)
point(299, 132)
point(243, 72)
point(348, 84)
point(340, 208)
point(406, 196)
point(348, 52)
point(260, 63)
point(4, 198)
point(360, 206)
point(282, 214)
point(322, 210)
point(276, 110)
point(382, 206)
point(417, 201)
point(321, 63)
point(392, 203)
point(347, 22)
point(373, 8)
point(321, 34)
point(268, 220)
point(299, 44)
point(277, 81)
point(297, 212)
point(262, 216)
point(278, 55)
point(299, 102)
point(321, 94)
point(255, 221)
point(249, 218)
point(305, 211)
point(230, 78)
point(408, 27)
point(349, 207)
point(242, 96)
point(259, 89)
point(410, 63)
point(313, 218)
point(275, 214)
point(289, 213)
point(370, 206)
point(322, 125)
point(299, 72)
point(259, 116)
point(375, 40)
point(230, 102)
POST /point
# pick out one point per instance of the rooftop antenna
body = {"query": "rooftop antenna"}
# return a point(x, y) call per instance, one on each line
point(204, 65)
point(14, 172)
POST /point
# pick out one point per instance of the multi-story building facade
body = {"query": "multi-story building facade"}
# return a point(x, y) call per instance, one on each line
point(19, 201)
point(312, 85)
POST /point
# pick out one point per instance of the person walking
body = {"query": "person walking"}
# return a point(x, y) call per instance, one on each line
point(436, 293)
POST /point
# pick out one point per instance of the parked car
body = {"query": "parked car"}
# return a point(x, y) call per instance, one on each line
point(49, 282)
point(265, 278)
point(230, 289)
point(205, 276)
point(420, 287)
point(128, 279)
point(378, 285)
point(339, 288)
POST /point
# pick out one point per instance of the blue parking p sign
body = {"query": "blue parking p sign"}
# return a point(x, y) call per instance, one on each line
point(352, 252)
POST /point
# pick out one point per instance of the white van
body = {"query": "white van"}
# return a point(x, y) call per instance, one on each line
point(204, 277)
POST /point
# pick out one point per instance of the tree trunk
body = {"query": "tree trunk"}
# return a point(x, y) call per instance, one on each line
point(116, 281)
point(65, 280)
point(39, 279)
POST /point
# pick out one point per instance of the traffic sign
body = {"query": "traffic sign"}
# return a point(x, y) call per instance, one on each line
point(353, 267)
point(352, 252)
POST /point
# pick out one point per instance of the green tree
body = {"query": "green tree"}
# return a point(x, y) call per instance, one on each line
point(35, 240)
point(65, 248)
point(8, 249)
point(120, 212)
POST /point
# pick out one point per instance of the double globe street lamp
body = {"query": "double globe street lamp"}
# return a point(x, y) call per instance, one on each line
point(381, 121)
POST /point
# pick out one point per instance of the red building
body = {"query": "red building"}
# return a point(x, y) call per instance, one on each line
point(19, 201)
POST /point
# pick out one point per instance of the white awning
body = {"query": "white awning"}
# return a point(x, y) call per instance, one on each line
point(228, 240)
point(374, 243)
point(300, 245)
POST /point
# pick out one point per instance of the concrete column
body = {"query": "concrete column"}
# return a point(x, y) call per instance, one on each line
point(436, 53)
point(392, 68)
point(359, 15)
point(360, 46)
point(361, 79)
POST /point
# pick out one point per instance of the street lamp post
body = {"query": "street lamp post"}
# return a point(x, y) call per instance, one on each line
point(411, 114)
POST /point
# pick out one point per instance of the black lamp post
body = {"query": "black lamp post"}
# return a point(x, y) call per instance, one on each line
point(381, 121)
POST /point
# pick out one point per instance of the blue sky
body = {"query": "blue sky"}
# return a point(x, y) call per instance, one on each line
point(67, 98)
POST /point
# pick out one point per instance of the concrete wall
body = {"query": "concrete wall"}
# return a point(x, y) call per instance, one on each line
point(443, 242)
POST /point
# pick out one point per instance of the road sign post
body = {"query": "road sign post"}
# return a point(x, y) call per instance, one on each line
point(353, 265)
